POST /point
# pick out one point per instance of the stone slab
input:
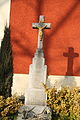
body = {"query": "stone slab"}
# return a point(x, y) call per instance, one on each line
point(34, 112)
point(35, 97)
point(37, 72)
point(35, 93)
point(37, 77)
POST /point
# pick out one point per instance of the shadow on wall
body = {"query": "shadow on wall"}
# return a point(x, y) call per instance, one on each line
point(63, 81)
point(70, 81)
point(38, 8)
point(71, 55)
point(66, 81)
point(2, 2)
point(59, 24)
point(25, 51)
point(69, 78)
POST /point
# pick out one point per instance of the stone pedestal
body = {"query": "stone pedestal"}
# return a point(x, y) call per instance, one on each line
point(34, 113)
point(35, 93)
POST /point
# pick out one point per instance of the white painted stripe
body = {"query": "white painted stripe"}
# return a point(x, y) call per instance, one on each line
point(58, 81)
point(4, 16)
point(20, 82)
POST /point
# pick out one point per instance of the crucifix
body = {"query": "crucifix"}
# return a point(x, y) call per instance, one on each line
point(41, 26)
point(71, 55)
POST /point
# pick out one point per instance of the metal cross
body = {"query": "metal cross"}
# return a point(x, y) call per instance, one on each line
point(41, 26)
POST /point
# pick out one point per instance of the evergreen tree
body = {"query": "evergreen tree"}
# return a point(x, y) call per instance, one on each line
point(6, 65)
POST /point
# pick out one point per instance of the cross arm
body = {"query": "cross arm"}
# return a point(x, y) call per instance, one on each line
point(37, 25)
point(76, 55)
point(65, 54)
point(71, 55)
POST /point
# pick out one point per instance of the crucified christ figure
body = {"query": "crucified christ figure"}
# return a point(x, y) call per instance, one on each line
point(41, 31)
point(41, 26)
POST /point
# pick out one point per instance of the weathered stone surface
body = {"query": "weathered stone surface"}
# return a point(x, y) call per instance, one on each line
point(35, 97)
point(35, 94)
point(34, 113)
point(41, 26)
point(38, 71)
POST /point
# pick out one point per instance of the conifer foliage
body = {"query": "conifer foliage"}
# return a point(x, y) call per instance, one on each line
point(6, 65)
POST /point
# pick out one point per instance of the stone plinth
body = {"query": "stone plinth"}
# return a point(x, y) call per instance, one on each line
point(34, 112)
point(35, 94)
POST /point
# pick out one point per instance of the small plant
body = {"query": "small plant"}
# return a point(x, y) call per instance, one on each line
point(9, 107)
point(64, 103)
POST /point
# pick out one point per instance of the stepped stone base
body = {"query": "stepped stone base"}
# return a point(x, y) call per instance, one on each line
point(34, 112)
point(35, 93)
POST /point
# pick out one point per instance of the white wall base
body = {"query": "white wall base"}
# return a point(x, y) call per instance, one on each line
point(20, 82)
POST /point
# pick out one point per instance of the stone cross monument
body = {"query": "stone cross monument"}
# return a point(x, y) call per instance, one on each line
point(35, 93)
point(35, 96)
point(41, 26)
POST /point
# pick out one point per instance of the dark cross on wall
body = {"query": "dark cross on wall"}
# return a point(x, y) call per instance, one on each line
point(71, 55)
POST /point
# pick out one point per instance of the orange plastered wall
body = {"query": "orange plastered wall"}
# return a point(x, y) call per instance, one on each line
point(64, 16)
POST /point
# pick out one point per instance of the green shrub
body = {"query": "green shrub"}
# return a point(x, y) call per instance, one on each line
point(6, 65)
point(64, 103)
point(9, 107)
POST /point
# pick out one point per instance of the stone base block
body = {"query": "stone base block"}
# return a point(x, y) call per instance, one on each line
point(37, 76)
point(34, 112)
point(35, 97)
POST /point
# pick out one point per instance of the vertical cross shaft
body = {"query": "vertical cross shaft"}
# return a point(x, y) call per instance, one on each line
point(41, 26)
point(71, 55)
